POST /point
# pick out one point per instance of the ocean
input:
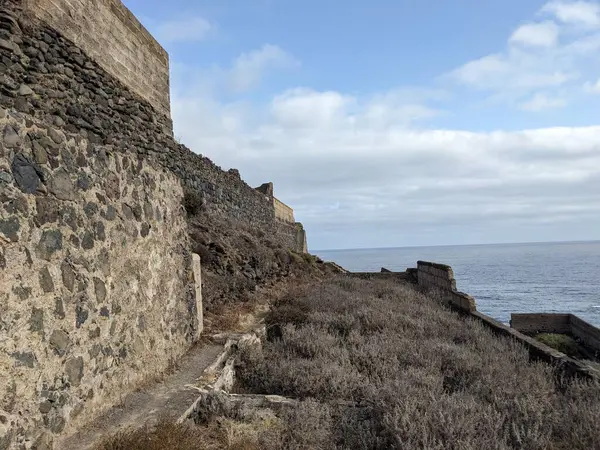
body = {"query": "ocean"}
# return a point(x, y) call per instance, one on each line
point(503, 278)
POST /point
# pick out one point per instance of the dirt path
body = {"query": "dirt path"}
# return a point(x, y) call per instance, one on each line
point(168, 399)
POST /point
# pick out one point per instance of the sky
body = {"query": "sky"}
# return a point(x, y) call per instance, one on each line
point(388, 123)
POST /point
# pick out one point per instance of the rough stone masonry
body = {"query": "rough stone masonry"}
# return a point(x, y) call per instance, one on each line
point(96, 279)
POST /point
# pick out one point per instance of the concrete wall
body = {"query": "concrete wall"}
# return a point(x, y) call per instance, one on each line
point(589, 334)
point(558, 323)
point(111, 35)
point(96, 285)
point(541, 323)
point(283, 212)
point(440, 279)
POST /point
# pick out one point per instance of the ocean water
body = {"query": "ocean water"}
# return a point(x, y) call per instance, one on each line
point(503, 278)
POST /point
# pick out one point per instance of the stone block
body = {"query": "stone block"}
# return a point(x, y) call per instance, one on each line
point(197, 270)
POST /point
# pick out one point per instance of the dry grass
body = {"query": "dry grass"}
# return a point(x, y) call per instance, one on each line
point(424, 377)
point(169, 436)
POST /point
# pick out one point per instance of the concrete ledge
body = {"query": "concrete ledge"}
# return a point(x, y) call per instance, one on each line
point(406, 277)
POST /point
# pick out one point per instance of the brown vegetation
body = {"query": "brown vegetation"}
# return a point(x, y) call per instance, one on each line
point(237, 260)
point(418, 375)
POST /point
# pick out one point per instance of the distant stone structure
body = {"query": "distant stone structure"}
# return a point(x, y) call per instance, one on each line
point(98, 286)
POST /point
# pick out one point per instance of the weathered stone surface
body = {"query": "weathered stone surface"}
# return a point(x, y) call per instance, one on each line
point(100, 290)
point(27, 174)
point(59, 308)
point(145, 230)
point(68, 275)
point(47, 210)
point(36, 321)
point(26, 359)
point(111, 213)
point(87, 242)
point(100, 231)
point(50, 243)
point(25, 90)
point(81, 315)
point(40, 155)
point(61, 185)
point(9, 229)
point(11, 137)
point(59, 341)
point(55, 135)
point(46, 282)
point(74, 370)
point(5, 177)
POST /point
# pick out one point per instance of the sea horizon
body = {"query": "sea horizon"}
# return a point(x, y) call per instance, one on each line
point(559, 276)
point(584, 241)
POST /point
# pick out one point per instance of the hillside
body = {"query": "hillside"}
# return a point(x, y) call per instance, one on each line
point(376, 365)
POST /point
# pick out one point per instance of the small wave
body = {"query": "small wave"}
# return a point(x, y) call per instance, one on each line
point(595, 306)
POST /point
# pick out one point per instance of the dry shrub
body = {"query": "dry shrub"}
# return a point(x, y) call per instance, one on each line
point(421, 376)
point(167, 436)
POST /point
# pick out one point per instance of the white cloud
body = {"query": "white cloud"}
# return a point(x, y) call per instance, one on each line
point(301, 107)
point(535, 59)
point(359, 163)
point(515, 70)
point(543, 102)
point(592, 88)
point(576, 13)
point(544, 34)
point(324, 149)
point(184, 30)
point(250, 67)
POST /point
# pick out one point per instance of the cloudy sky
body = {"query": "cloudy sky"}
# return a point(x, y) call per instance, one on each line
point(397, 122)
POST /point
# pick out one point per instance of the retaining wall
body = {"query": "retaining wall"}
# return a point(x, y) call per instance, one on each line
point(558, 323)
point(96, 279)
point(440, 279)
point(112, 36)
point(541, 323)
point(96, 282)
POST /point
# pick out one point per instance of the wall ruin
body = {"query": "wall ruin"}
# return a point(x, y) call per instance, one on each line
point(97, 283)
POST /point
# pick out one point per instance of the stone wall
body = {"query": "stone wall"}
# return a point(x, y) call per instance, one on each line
point(440, 278)
point(541, 323)
point(570, 324)
point(283, 212)
point(45, 75)
point(96, 285)
point(111, 35)
point(587, 333)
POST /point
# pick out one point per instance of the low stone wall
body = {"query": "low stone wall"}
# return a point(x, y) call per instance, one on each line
point(96, 280)
point(558, 323)
point(541, 323)
point(540, 351)
point(440, 279)
point(589, 334)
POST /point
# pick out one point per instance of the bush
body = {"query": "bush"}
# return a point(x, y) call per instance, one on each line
point(192, 202)
point(394, 369)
